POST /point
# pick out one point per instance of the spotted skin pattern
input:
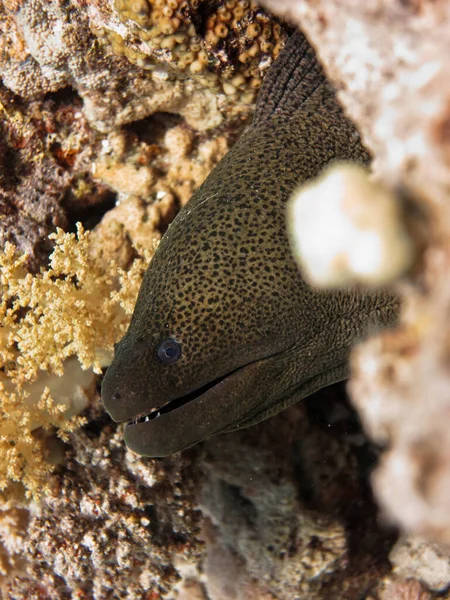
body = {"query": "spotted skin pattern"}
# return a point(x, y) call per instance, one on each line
point(254, 336)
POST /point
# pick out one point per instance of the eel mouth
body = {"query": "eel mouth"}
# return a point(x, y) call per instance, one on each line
point(184, 421)
point(225, 404)
point(179, 402)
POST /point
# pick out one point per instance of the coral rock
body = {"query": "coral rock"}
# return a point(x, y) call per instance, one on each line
point(387, 60)
point(345, 230)
point(413, 557)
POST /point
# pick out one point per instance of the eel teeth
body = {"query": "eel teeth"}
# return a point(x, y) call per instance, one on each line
point(153, 414)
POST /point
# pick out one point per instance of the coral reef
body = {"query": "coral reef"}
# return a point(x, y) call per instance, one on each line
point(45, 157)
point(156, 158)
point(184, 52)
point(56, 169)
point(227, 46)
point(112, 526)
point(65, 98)
point(279, 511)
point(73, 308)
point(113, 91)
point(32, 183)
point(388, 63)
point(67, 156)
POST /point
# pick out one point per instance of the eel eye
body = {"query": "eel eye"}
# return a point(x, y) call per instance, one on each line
point(169, 351)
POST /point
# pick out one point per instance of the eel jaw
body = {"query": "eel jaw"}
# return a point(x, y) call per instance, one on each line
point(226, 404)
point(170, 405)
point(185, 421)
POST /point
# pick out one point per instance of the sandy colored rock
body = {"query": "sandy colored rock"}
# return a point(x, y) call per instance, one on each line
point(32, 184)
point(413, 557)
point(409, 589)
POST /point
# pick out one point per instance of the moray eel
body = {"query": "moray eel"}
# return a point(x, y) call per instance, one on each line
point(225, 331)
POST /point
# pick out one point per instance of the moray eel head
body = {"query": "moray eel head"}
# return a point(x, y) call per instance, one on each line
point(225, 331)
point(207, 350)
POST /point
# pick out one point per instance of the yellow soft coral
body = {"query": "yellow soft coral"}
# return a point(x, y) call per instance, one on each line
point(76, 307)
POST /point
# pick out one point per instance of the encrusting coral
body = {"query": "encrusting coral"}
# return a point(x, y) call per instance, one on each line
point(284, 504)
point(32, 182)
point(111, 526)
point(183, 52)
point(76, 307)
point(227, 46)
point(158, 161)
point(55, 168)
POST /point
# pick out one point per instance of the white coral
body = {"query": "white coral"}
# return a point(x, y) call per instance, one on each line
point(345, 229)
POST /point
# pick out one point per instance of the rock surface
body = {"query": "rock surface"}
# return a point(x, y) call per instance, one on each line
point(387, 60)
point(279, 511)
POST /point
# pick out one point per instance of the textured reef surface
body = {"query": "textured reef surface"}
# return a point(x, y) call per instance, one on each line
point(112, 112)
point(396, 88)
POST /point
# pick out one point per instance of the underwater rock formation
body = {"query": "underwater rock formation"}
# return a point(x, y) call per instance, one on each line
point(278, 511)
point(111, 526)
point(282, 510)
point(388, 61)
point(32, 183)
point(226, 46)
point(71, 79)
point(129, 59)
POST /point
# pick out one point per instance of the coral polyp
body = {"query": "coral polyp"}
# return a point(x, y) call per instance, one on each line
point(226, 46)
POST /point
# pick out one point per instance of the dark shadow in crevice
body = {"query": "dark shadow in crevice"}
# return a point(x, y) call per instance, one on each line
point(89, 214)
point(152, 129)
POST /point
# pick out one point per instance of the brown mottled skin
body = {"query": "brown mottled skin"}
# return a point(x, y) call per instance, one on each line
point(224, 285)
